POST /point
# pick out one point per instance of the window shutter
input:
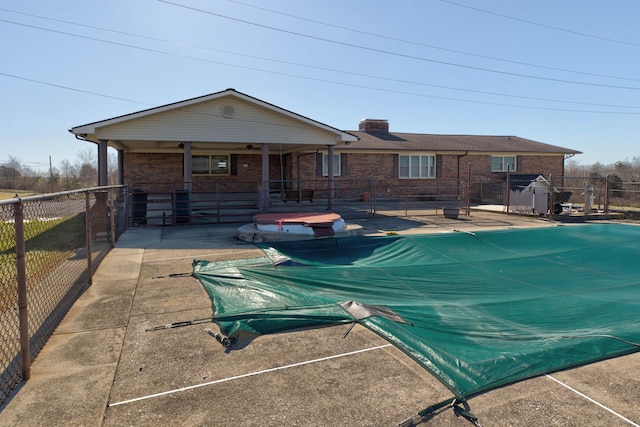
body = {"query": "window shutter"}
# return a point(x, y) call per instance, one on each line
point(519, 163)
point(318, 164)
point(233, 167)
point(396, 160)
point(438, 165)
point(343, 164)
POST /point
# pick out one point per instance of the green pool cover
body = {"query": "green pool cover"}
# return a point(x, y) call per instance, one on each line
point(477, 310)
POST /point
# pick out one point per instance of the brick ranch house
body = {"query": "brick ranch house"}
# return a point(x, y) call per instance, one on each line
point(229, 142)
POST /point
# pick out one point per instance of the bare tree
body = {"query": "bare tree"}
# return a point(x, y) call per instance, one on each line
point(87, 166)
point(70, 174)
point(88, 175)
point(30, 179)
point(573, 168)
point(10, 171)
point(88, 156)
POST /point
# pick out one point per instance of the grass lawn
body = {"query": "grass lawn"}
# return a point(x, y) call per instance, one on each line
point(10, 194)
point(48, 243)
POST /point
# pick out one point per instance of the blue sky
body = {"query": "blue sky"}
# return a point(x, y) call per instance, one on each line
point(564, 72)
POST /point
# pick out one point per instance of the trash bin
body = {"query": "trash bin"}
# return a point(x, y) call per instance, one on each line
point(139, 206)
point(182, 206)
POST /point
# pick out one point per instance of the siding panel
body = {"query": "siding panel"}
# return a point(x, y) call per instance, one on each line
point(205, 123)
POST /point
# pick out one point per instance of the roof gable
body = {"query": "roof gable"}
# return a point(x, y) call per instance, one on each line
point(218, 116)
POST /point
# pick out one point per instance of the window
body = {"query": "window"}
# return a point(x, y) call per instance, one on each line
point(502, 163)
point(417, 166)
point(336, 165)
point(210, 164)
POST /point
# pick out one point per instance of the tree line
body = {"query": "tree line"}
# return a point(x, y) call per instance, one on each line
point(622, 171)
point(70, 175)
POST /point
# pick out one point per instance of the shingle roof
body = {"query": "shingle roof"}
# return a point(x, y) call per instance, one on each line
point(395, 141)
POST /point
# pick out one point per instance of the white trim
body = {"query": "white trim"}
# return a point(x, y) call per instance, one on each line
point(418, 154)
point(337, 164)
point(196, 174)
point(515, 162)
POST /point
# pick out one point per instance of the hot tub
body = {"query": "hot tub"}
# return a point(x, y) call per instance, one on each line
point(309, 223)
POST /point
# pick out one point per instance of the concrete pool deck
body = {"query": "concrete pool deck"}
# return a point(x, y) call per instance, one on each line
point(105, 365)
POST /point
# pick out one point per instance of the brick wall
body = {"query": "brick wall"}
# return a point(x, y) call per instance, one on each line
point(144, 169)
point(544, 165)
point(365, 166)
point(481, 167)
point(164, 172)
point(369, 166)
point(361, 170)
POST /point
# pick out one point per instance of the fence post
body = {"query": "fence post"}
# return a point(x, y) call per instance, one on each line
point(374, 195)
point(25, 350)
point(550, 197)
point(469, 189)
point(87, 221)
point(606, 194)
point(507, 191)
point(110, 210)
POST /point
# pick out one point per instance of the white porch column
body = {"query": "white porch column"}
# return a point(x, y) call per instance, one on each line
point(103, 176)
point(330, 180)
point(264, 197)
point(186, 159)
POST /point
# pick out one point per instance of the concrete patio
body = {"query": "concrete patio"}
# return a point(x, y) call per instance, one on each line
point(106, 365)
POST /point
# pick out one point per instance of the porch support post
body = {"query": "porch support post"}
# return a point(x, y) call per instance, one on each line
point(330, 180)
point(103, 177)
point(120, 167)
point(264, 197)
point(186, 159)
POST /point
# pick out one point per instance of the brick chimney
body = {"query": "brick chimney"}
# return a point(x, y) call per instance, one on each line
point(373, 125)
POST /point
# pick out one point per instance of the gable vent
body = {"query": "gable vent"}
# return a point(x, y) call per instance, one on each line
point(228, 111)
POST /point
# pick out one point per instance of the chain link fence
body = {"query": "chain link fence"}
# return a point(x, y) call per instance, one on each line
point(49, 247)
point(584, 195)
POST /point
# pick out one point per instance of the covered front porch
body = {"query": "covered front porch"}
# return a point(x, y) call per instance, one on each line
point(224, 151)
point(169, 203)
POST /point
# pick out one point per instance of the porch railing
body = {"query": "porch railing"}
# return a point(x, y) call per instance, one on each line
point(225, 202)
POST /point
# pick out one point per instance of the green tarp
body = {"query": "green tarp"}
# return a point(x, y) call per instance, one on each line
point(478, 310)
